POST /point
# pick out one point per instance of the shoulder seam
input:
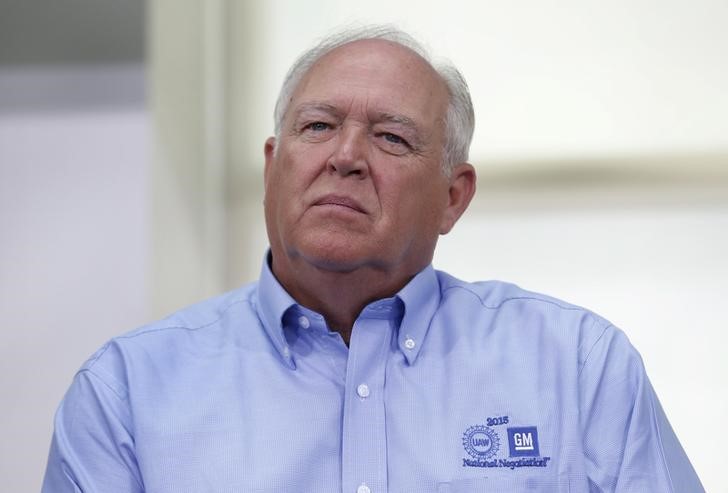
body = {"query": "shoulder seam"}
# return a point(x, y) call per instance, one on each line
point(516, 298)
point(91, 362)
point(89, 365)
point(152, 329)
point(93, 359)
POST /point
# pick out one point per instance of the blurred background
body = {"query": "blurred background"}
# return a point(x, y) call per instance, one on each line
point(131, 138)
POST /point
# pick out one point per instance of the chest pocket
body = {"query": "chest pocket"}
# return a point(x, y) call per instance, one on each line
point(503, 485)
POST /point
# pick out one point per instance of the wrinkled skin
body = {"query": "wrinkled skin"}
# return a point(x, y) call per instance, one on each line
point(355, 197)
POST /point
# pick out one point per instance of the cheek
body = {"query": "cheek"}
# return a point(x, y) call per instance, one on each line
point(284, 173)
point(277, 190)
point(309, 154)
point(430, 203)
point(288, 181)
point(300, 165)
point(416, 204)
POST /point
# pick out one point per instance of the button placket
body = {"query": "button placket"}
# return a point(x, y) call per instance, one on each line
point(364, 453)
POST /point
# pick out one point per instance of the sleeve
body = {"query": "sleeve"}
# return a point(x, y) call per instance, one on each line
point(92, 449)
point(628, 443)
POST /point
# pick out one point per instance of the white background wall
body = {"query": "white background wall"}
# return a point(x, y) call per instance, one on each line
point(601, 146)
point(74, 245)
point(74, 208)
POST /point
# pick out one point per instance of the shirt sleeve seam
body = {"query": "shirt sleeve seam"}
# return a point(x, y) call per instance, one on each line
point(591, 349)
point(121, 398)
point(659, 439)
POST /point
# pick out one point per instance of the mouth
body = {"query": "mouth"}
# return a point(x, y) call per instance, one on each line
point(340, 201)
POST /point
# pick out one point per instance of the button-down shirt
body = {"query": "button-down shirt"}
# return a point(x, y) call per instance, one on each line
point(446, 387)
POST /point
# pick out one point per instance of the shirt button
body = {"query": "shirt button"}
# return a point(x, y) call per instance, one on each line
point(363, 392)
point(409, 343)
point(304, 322)
point(363, 489)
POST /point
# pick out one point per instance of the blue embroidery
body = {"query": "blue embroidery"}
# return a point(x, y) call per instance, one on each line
point(523, 441)
point(500, 420)
point(481, 442)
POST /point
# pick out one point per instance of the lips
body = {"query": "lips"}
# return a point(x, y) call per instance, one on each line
point(341, 201)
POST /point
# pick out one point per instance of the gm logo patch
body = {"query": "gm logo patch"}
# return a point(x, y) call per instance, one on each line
point(523, 441)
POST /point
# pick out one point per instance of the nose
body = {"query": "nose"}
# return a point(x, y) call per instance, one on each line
point(349, 158)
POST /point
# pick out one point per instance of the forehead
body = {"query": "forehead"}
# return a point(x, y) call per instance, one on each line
point(375, 76)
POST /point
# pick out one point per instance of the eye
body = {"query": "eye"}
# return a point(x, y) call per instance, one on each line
point(393, 143)
point(317, 126)
point(394, 139)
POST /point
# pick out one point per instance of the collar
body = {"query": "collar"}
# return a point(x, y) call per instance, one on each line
point(421, 298)
point(273, 302)
point(419, 301)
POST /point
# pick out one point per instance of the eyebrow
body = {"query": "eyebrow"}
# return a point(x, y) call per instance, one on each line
point(398, 119)
point(378, 117)
point(315, 106)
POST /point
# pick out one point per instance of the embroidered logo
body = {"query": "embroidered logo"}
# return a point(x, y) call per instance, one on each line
point(481, 442)
point(523, 441)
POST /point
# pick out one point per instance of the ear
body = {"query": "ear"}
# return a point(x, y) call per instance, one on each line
point(461, 191)
point(269, 150)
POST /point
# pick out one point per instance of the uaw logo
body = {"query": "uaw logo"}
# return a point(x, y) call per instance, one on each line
point(481, 442)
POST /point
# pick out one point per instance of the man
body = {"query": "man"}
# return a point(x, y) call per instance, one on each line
point(352, 365)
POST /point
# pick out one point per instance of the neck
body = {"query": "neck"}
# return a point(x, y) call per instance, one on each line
point(339, 296)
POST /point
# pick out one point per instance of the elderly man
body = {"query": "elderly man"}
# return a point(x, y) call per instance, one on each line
point(352, 365)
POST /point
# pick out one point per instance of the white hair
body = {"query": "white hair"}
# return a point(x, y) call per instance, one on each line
point(459, 118)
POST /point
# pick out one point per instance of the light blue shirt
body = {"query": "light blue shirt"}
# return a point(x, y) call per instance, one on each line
point(446, 387)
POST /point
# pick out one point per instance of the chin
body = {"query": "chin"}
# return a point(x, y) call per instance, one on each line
point(335, 259)
point(335, 253)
